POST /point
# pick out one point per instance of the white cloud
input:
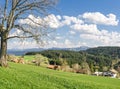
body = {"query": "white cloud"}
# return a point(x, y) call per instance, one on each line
point(16, 32)
point(17, 44)
point(68, 20)
point(72, 32)
point(58, 37)
point(54, 42)
point(86, 26)
point(105, 38)
point(32, 20)
point(67, 42)
point(58, 17)
point(99, 18)
point(51, 21)
point(56, 21)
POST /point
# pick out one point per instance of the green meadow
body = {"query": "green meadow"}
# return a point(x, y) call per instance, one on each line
point(29, 57)
point(22, 76)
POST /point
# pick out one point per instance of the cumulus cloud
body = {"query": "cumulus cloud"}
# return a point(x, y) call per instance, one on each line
point(86, 25)
point(31, 20)
point(67, 42)
point(16, 32)
point(17, 44)
point(99, 18)
point(86, 28)
point(54, 42)
point(58, 37)
point(105, 37)
point(68, 20)
point(56, 21)
point(72, 32)
point(51, 21)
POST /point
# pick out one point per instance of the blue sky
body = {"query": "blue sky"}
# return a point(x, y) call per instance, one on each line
point(100, 25)
point(82, 23)
point(75, 7)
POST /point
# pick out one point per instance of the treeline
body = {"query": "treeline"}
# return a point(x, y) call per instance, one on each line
point(100, 58)
point(113, 52)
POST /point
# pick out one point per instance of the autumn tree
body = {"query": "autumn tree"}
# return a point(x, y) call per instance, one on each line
point(12, 11)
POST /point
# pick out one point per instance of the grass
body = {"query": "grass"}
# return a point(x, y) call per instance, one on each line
point(29, 57)
point(19, 76)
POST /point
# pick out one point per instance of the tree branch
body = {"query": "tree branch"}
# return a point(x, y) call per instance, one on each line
point(20, 37)
point(5, 11)
point(19, 9)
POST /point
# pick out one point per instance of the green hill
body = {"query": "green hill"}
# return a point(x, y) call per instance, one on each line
point(19, 76)
point(102, 58)
point(113, 52)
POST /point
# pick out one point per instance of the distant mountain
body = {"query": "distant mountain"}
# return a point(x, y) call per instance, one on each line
point(72, 49)
point(22, 52)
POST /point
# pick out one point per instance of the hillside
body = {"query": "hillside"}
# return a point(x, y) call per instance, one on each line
point(113, 52)
point(100, 58)
point(19, 76)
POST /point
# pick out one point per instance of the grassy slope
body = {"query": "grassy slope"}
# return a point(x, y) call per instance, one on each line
point(19, 76)
point(29, 57)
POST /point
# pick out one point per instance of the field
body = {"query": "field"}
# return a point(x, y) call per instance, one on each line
point(21, 76)
point(30, 57)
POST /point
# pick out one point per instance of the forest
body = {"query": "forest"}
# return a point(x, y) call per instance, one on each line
point(99, 58)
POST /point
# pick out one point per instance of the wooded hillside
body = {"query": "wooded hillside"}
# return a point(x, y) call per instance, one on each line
point(100, 58)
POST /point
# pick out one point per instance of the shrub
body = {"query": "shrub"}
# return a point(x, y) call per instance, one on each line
point(40, 60)
point(12, 58)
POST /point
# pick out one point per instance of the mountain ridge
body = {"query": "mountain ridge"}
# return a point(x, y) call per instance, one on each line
point(23, 51)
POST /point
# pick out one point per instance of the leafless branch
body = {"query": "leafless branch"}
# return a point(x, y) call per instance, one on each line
point(20, 9)
point(20, 37)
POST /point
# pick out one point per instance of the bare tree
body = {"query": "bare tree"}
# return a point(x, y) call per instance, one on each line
point(15, 10)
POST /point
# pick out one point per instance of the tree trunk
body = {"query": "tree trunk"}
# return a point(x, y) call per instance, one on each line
point(3, 51)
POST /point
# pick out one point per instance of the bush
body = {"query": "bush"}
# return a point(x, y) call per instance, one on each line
point(40, 60)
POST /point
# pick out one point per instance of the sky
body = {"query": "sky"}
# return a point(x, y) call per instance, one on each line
point(78, 23)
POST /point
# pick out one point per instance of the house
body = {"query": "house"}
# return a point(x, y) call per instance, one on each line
point(52, 67)
point(107, 73)
point(98, 73)
point(114, 73)
point(111, 73)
